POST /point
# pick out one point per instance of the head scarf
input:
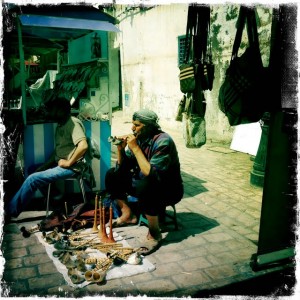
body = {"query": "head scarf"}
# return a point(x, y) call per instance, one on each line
point(147, 117)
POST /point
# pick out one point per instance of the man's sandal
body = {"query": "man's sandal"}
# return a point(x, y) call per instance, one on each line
point(149, 246)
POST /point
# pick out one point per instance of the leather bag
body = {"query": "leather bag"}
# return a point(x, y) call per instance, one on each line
point(194, 126)
point(180, 109)
point(243, 94)
point(207, 68)
point(194, 132)
point(197, 60)
point(187, 77)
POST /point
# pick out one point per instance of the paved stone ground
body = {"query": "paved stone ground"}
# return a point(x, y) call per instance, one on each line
point(218, 233)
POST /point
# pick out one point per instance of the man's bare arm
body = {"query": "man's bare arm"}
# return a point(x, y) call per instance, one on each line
point(81, 148)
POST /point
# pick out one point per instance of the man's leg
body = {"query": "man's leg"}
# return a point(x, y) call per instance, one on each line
point(117, 184)
point(149, 193)
point(31, 184)
point(127, 217)
point(154, 229)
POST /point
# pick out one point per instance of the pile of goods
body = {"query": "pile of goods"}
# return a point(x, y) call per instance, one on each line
point(87, 258)
point(87, 253)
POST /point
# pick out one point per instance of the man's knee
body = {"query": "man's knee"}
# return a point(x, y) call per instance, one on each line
point(35, 180)
point(147, 188)
point(110, 178)
point(31, 178)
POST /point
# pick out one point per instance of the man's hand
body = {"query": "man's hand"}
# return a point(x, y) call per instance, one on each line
point(122, 145)
point(138, 153)
point(48, 164)
point(132, 142)
point(63, 163)
point(81, 148)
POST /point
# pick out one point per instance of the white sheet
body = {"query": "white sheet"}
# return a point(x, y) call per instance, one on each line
point(246, 138)
point(124, 270)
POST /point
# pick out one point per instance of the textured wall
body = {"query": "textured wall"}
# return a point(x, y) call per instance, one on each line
point(149, 65)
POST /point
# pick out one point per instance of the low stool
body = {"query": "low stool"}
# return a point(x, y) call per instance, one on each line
point(162, 217)
point(172, 215)
point(143, 219)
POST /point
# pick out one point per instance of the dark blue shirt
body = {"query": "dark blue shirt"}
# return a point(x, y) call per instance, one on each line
point(161, 153)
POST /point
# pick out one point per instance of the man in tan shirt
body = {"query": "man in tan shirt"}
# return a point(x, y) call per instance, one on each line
point(66, 160)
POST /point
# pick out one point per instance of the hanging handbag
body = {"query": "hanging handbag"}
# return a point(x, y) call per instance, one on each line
point(180, 109)
point(207, 68)
point(194, 130)
point(187, 68)
point(194, 126)
point(207, 78)
point(197, 51)
point(187, 77)
point(242, 96)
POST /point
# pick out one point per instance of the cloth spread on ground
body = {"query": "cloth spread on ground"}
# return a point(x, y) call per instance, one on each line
point(115, 271)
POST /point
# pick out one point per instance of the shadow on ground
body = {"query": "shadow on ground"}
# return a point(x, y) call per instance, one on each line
point(192, 185)
point(190, 224)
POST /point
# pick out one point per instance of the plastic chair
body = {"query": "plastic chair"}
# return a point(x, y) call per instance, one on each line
point(93, 152)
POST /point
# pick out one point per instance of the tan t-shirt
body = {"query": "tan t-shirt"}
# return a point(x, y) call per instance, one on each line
point(67, 137)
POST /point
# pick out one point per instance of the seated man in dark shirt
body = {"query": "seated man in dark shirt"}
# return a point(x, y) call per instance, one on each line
point(148, 169)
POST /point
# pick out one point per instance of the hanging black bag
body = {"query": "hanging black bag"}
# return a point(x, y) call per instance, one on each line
point(187, 77)
point(242, 96)
point(193, 117)
point(180, 109)
point(197, 51)
point(188, 68)
point(194, 125)
point(206, 67)
point(207, 78)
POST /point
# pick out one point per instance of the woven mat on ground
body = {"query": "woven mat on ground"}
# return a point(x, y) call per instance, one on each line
point(113, 272)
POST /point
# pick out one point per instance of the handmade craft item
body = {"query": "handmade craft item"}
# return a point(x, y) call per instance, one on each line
point(95, 229)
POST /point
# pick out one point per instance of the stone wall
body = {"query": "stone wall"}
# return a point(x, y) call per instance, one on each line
point(149, 58)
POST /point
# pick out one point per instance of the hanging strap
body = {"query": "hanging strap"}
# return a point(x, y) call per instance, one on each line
point(201, 36)
point(246, 16)
point(190, 31)
point(209, 48)
point(198, 24)
point(239, 31)
point(205, 20)
point(252, 33)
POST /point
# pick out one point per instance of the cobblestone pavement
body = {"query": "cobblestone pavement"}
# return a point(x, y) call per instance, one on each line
point(218, 220)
